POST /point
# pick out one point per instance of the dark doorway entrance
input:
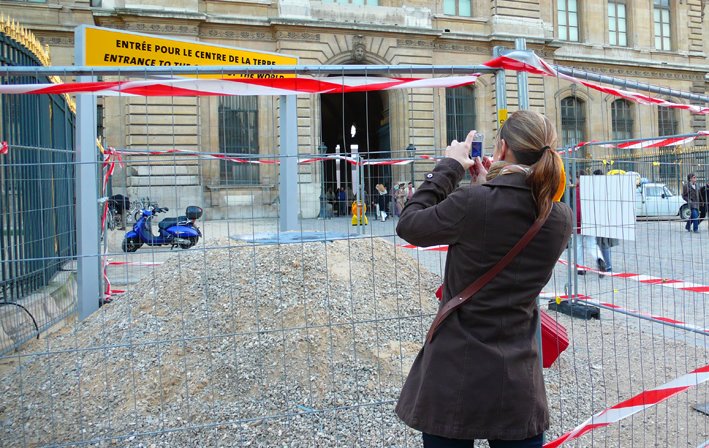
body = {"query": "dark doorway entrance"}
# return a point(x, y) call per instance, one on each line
point(369, 113)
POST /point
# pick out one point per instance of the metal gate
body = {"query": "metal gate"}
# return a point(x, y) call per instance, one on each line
point(37, 227)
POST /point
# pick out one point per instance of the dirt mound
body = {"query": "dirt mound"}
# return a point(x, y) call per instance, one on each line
point(231, 332)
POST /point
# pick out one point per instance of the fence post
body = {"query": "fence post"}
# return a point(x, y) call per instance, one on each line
point(500, 90)
point(522, 88)
point(87, 187)
point(288, 180)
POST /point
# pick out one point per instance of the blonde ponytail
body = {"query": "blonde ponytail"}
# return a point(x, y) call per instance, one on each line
point(545, 179)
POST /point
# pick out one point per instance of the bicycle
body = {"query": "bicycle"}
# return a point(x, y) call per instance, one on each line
point(136, 208)
point(114, 219)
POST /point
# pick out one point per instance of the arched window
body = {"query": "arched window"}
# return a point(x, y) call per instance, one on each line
point(460, 113)
point(573, 121)
point(666, 121)
point(238, 134)
point(621, 120)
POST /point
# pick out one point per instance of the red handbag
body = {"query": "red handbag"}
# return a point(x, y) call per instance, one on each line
point(554, 339)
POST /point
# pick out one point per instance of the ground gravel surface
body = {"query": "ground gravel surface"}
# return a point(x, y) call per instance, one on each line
point(302, 345)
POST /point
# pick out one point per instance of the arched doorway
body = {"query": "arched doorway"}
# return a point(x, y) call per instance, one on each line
point(368, 112)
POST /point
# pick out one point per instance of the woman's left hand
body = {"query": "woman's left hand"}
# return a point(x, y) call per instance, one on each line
point(479, 170)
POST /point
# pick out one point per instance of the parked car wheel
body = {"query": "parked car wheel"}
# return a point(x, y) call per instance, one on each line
point(685, 212)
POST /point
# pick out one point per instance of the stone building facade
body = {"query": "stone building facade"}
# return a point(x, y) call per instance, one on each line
point(660, 42)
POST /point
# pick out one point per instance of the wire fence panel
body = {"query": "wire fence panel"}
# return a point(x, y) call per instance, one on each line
point(218, 327)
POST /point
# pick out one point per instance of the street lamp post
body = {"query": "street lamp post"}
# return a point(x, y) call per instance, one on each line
point(412, 151)
point(322, 150)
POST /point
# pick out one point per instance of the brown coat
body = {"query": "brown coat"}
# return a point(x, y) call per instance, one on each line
point(480, 377)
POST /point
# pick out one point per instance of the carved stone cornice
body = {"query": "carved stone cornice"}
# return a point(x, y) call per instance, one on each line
point(449, 46)
point(544, 53)
point(414, 43)
point(57, 41)
point(454, 47)
point(162, 28)
point(298, 36)
point(638, 72)
point(215, 33)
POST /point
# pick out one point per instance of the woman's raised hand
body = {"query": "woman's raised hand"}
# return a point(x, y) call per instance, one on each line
point(460, 151)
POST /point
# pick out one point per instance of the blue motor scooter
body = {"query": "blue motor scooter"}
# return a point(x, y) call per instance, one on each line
point(180, 231)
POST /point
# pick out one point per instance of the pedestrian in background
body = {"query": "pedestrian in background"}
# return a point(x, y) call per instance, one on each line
point(382, 202)
point(690, 194)
point(400, 198)
point(342, 201)
point(703, 201)
point(604, 245)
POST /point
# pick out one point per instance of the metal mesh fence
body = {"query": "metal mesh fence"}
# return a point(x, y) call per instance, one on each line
point(255, 335)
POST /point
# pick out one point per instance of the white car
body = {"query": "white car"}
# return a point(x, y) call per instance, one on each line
point(653, 199)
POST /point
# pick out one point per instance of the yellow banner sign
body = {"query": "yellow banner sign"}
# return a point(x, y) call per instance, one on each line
point(107, 47)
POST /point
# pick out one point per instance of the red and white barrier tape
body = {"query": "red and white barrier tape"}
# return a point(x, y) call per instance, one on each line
point(440, 248)
point(651, 143)
point(302, 85)
point(109, 165)
point(274, 161)
point(649, 279)
point(109, 291)
point(645, 279)
point(660, 142)
point(642, 401)
point(628, 311)
point(531, 63)
point(514, 60)
point(135, 263)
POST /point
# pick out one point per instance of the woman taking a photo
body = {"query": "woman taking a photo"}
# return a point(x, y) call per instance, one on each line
point(478, 375)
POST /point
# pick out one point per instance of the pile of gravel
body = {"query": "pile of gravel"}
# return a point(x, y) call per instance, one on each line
point(296, 345)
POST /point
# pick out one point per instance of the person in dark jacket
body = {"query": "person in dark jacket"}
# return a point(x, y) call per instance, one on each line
point(480, 376)
point(690, 193)
point(383, 200)
point(703, 202)
point(342, 201)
